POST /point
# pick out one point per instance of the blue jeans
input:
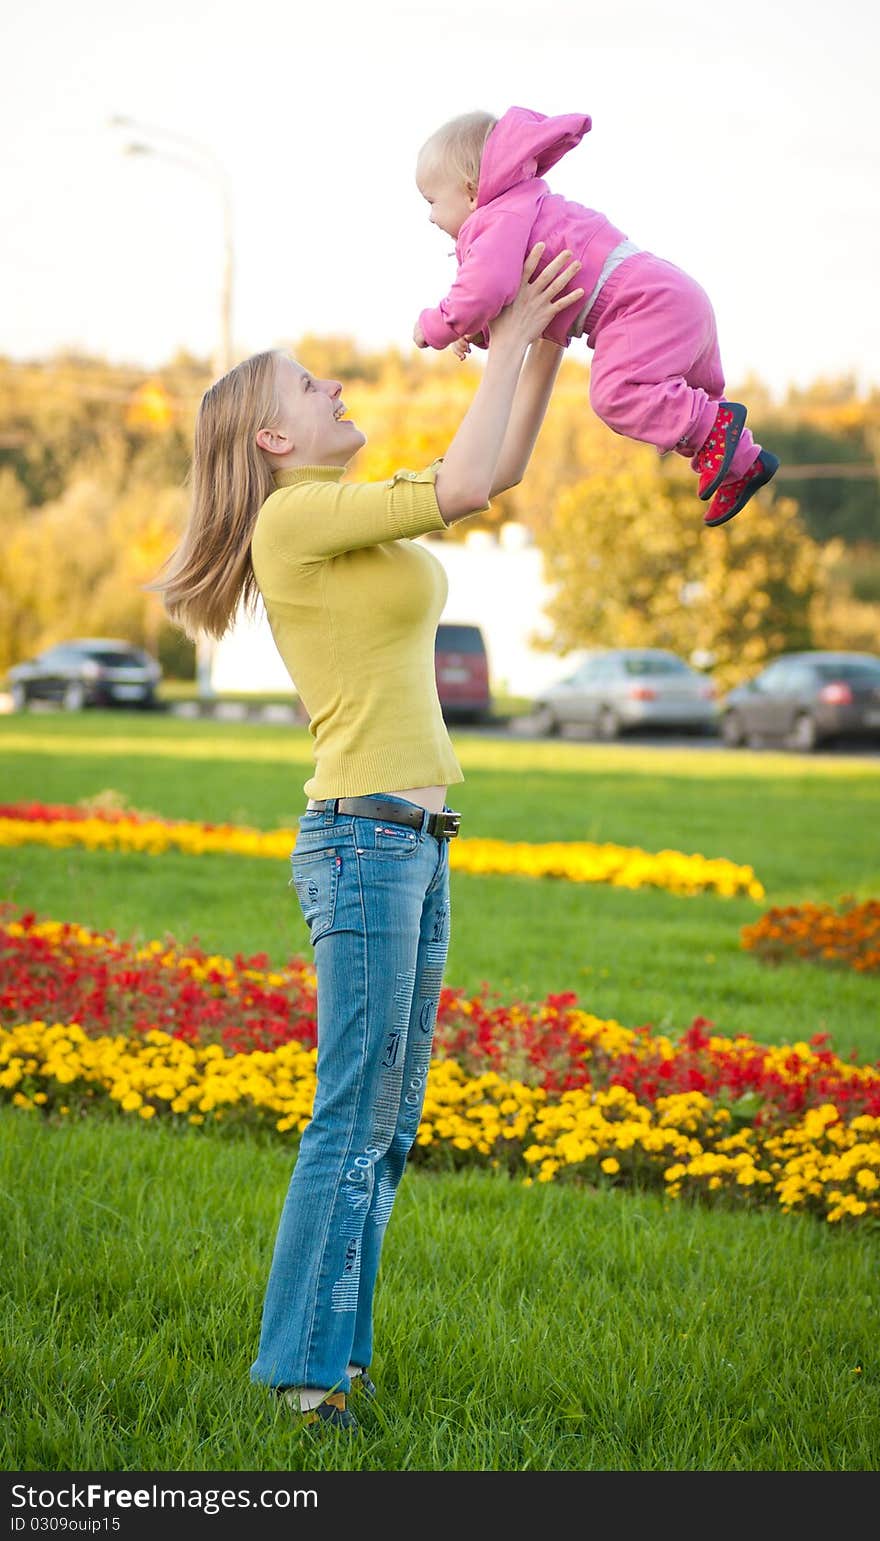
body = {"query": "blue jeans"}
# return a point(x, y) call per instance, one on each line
point(376, 900)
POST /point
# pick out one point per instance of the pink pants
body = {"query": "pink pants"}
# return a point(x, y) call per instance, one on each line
point(656, 371)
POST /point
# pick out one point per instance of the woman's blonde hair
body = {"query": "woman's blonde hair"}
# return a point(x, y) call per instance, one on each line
point(457, 146)
point(210, 572)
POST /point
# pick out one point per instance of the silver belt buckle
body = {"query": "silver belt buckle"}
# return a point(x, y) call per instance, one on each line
point(447, 824)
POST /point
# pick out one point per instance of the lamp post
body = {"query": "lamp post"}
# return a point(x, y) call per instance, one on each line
point(201, 162)
point(195, 158)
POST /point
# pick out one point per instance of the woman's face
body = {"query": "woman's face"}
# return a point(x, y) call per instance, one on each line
point(310, 429)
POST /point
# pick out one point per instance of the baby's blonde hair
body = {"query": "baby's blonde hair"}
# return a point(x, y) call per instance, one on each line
point(457, 146)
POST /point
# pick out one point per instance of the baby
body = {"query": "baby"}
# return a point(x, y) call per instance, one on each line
point(656, 371)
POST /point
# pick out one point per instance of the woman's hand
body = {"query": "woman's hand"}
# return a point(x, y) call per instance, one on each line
point(538, 300)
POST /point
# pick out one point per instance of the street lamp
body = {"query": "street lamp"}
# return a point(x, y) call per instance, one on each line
point(202, 162)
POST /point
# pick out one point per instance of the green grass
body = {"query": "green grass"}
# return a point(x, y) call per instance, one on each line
point(543, 1328)
point(170, 690)
point(644, 956)
point(516, 1329)
point(503, 705)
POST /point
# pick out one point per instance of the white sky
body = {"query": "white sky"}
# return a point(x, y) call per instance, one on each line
point(740, 141)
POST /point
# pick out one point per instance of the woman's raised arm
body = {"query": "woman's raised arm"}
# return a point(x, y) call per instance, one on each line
point(533, 391)
point(469, 473)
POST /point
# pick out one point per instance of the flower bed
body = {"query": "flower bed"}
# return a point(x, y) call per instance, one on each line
point(98, 826)
point(549, 1092)
point(847, 937)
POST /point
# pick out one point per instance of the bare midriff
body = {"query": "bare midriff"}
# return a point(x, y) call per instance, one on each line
point(432, 798)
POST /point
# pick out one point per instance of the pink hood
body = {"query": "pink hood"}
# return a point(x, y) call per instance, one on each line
point(515, 209)
point(525, 144)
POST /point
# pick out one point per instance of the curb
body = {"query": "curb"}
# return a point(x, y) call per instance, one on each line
point(237, 711)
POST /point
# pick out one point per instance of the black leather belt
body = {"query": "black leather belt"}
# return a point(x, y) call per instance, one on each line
point(443, 826)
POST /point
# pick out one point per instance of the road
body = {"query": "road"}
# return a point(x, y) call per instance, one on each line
point(502, 728)
point(524, 728)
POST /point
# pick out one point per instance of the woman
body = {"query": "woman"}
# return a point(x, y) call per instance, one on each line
point(353, 604)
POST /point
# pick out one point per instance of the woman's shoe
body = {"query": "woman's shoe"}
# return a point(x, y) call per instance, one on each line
point(360, 1381)
point(332, 1413)
point(712, 460)
point(735, 495)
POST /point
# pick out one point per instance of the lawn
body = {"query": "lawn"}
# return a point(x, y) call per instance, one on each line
point(640, 956)
point(516, 1329)
point(542, 1328)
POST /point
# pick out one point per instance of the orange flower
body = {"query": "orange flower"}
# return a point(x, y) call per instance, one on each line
point(847, 937)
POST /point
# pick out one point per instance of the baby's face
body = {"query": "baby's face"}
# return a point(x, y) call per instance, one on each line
point(450, 200)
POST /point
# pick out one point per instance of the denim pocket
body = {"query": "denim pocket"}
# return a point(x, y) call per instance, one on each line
point(316, 880)
point(396, 841)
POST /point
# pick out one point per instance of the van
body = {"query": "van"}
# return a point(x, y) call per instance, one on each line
point(462, 669)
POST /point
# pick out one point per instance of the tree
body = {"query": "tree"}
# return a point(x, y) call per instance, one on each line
point(13, 515)
point(633, 565)
point(94, 459)
point(77, 566)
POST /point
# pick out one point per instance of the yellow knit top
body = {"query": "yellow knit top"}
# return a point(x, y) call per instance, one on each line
point(353, 603)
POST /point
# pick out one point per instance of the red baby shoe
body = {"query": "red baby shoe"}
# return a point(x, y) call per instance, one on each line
point(735, 495)
point(712, 460)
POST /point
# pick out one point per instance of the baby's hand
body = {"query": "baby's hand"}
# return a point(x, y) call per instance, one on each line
point(461, 347)
point(419, 336)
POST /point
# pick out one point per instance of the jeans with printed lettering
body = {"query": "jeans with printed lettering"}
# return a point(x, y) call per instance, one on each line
point(376, 900)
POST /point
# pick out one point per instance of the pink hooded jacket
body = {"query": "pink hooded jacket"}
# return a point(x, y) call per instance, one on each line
point(515, 208)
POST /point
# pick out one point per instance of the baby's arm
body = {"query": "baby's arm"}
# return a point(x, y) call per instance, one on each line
point(488, 277)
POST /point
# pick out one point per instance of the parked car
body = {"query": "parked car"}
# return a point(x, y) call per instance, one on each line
point(87, 671)
point(805, 699)
point(461, 665)
point(628, 687)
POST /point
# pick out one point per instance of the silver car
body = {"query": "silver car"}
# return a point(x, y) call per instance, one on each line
point(804, 700)
point(628, 687)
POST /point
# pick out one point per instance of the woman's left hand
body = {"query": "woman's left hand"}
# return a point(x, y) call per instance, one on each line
point(538, 300)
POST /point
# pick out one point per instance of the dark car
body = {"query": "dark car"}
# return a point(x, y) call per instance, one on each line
point(806, 699)
point(628, 687)
point(88, 671)
point(461, 665)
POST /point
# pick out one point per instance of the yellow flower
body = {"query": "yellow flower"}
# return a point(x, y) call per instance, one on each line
point(824, 1161)
point(575, 861)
